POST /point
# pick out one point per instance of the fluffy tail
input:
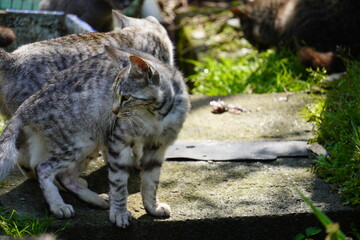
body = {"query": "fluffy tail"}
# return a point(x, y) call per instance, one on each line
point(8, 149)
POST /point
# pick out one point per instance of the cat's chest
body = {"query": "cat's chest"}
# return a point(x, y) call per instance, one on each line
point(150, 122)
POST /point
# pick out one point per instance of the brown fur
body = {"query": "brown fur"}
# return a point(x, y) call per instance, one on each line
point(322, 25)
point(7, 36)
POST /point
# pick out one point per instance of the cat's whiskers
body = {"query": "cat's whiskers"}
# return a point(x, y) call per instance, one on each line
point(112, 121)
point(139, 123)
point(130, 123)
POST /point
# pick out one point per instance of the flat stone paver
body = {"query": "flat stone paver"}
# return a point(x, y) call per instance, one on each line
point(272, 117)
point(235, 151)
point(212, 199)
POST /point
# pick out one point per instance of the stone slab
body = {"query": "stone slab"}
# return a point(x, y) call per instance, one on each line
point(272, 117)
point(235, 200)
point(235, 151)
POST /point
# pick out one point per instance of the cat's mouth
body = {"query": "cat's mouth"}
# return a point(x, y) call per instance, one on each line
point(125, 115)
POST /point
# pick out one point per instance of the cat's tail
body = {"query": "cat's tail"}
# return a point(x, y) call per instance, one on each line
point(331, 61)
point(8, 150)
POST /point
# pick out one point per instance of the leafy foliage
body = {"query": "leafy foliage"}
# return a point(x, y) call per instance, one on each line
point(337, 120)
point(308, 234)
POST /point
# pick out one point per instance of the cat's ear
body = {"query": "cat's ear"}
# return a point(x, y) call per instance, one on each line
point(139, 65)
point(152, 19)
point(120, 21)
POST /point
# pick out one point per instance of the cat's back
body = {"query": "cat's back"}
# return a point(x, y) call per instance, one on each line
point(325, 24)
point(78, 42)
point(81, 91)
point(41, 60)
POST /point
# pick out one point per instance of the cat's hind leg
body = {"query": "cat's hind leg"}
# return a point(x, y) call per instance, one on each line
point(46, 172)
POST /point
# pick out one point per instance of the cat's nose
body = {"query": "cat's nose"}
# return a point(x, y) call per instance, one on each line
point(115, 110)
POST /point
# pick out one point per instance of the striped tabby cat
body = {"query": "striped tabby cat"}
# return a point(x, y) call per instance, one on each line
point(23, 71)
point(132, 105)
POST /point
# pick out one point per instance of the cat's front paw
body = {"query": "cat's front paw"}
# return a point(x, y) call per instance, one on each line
point(160, 210)
point(121, 219)
point(63, 210)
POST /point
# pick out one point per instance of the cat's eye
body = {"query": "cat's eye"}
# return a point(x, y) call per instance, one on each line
point(124, 98)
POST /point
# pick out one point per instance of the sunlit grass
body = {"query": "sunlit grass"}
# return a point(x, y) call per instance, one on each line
point(337, 121)
point(256, 72)
point(16, 225)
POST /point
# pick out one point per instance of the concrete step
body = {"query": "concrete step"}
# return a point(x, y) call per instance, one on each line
point(212, 199)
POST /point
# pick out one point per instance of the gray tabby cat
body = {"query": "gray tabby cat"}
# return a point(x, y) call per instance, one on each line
point(23, 71)
point(72, 116)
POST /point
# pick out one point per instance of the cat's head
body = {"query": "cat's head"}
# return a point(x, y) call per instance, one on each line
point(150, 35)
point(136, 88)
point(151, 23)
point(257, 21)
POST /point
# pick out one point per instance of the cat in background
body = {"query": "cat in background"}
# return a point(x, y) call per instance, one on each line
point(132, 104)
point(319, 30)
point(95, 12)
point(7, 36)
point(25, 70)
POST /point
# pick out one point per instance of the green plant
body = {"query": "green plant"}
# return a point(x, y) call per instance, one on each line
point(337, 121)
point(2, 123)
point(15, 225)
point(256, 72)
point(332, 229)
point(3, 183)
point(308, 234)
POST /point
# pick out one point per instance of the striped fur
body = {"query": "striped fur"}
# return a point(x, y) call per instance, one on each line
point(151, 103)
point(71, 117)
point(25, 70)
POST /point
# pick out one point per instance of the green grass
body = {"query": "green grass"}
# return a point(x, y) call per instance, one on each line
point(3, 183)
point(332, 229)
point(337, 120)
point(308, 234)
point(16, 225)
point(256, 72)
